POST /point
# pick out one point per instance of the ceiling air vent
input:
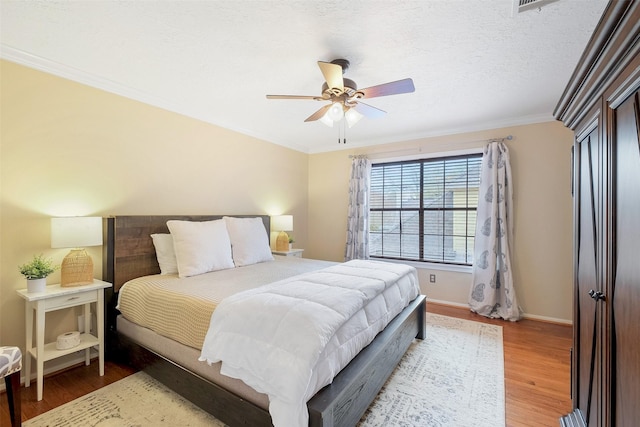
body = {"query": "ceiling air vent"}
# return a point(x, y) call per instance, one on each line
point(520, 6)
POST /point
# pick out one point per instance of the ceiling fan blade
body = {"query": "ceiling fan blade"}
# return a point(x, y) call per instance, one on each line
point(368, 110)
point(318, 114)
point(332, 74)
point(391, 88)
point(317, 98)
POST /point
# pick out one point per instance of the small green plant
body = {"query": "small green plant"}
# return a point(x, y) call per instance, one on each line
point(38, 267)
point(291, 239)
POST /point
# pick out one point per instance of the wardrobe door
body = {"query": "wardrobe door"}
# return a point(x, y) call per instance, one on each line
point(626, 288)
point(587, 193)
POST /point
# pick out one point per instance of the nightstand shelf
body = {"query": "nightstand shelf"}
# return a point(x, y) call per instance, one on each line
point(51, 352)
point(56, 297)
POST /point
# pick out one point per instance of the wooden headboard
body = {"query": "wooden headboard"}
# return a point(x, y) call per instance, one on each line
point(128, 250)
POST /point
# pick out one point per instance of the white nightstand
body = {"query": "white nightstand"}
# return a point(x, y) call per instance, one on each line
point(57, 298)
point(291, 252)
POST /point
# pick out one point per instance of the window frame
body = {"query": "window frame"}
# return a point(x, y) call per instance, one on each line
point(421, 159)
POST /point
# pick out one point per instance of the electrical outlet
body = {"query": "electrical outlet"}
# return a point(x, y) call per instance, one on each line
point(432, 278)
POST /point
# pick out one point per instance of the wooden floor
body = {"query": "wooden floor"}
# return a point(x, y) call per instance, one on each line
point(536, 362)
point(537, 368)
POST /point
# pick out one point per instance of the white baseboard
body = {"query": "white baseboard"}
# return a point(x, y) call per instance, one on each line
point(547, 319)
point(452, 304)
point(54, 365)
point(524, 315)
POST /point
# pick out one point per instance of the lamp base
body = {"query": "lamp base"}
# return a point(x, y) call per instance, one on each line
point(282, 242)
point(76, 269)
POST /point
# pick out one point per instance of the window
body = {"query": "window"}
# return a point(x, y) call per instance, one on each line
point(425, 210)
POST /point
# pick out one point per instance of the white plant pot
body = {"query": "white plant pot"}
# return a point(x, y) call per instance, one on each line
point(36, 285)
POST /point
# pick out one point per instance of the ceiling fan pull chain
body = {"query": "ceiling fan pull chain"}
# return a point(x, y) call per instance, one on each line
point(344, 131)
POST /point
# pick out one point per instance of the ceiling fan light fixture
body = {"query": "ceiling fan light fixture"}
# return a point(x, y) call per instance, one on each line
point(352, 117)
point(326, 120)
point(344, 99)
point(336, 111)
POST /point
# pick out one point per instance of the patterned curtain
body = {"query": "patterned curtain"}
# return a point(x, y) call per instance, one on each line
point(492, 292)
point(358, 219)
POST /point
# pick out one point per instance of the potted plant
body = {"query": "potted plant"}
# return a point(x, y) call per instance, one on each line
point(291, 242)
point(36, 272)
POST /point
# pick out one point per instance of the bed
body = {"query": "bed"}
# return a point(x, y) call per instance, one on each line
point(129, 253)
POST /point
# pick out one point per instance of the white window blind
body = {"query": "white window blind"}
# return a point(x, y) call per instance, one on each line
point(425, 210)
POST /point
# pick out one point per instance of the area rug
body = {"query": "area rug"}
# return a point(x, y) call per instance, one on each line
point(454, 377)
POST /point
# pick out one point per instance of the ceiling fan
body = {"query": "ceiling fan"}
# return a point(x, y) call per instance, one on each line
point(345, 97)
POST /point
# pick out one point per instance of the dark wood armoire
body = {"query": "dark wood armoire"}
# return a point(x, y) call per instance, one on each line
point(601, 104)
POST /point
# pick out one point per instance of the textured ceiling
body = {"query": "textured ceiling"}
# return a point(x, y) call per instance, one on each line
point(475, 64)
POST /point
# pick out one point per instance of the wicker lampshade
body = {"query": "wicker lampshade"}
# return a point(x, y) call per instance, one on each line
point(282, 223)
point(76, 232)
point(76, 269)
point(282, 241)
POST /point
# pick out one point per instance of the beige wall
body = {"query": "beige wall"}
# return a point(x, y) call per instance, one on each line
point(540, 162)
point(68, 149)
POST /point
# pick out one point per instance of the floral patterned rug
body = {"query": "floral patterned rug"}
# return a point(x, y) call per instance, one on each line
point(455, 377)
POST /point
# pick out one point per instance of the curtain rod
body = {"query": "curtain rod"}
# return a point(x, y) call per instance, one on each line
point(419, 149)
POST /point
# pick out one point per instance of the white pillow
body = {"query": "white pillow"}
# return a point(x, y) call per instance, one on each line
point(165, 253)
point(249, 240)
point(200, 246)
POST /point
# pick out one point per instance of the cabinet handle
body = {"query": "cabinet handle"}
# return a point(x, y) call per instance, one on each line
point(597, 295)
point(72, 298)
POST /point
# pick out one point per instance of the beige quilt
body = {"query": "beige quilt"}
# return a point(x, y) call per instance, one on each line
point(181, 308)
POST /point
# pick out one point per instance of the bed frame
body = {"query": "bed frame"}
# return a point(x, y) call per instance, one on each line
point(128, 253)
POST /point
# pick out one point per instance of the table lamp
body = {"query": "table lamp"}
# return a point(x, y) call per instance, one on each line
point(76, 233)
point(282, 223)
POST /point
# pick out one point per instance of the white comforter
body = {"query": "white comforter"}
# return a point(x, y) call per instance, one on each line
point(290, 338)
